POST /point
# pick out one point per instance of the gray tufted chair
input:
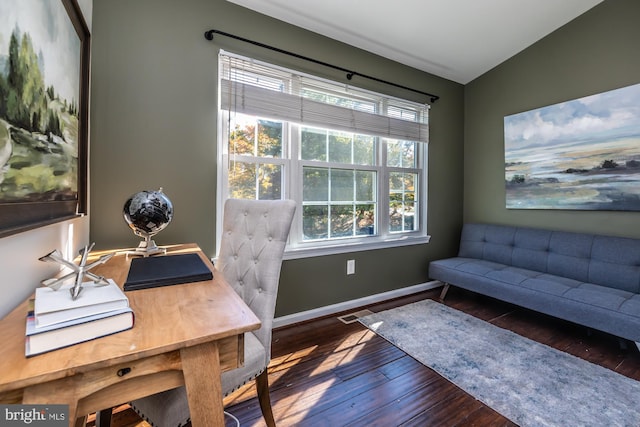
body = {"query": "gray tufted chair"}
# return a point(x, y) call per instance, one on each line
point(255, 233)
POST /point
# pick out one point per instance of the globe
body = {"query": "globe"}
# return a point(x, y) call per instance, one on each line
point(147, 213)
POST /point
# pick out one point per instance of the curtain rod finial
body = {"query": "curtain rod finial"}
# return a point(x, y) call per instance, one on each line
point(208, 35)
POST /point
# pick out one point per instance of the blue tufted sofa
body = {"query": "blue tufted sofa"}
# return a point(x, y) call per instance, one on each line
point(587, 279)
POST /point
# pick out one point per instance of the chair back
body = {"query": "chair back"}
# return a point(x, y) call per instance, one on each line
point(254, 236)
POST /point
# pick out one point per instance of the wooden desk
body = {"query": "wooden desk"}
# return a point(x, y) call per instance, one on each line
point(183, 335)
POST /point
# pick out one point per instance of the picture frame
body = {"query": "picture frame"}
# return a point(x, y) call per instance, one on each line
point(581, 154)
point(44, 103)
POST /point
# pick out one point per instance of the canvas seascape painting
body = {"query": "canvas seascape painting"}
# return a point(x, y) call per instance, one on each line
point(582, 154)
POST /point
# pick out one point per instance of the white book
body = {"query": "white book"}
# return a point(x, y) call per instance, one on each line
point(53, 307)
point(47, 338)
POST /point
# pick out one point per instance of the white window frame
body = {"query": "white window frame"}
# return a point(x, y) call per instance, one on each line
point(292, 189)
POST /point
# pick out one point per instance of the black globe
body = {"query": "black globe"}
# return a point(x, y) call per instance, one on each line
point(148, 212)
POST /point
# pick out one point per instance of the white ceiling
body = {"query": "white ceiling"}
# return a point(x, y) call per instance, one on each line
point(455, 39)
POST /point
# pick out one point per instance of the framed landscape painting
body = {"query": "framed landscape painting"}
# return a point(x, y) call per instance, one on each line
point(44, 78)
point(582, 154)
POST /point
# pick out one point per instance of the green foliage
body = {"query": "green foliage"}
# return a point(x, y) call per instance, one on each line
point(4, 90)
point(15, 76)
point(314, 144)
point(401, 153)
point(73, 109)
point(269, 138)
point(24, 100)
point(53, 124)
point(247, 180)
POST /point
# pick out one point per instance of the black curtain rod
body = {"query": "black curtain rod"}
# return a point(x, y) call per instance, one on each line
point(209, 36)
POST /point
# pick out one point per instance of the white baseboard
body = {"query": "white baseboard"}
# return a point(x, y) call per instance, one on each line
point(327, 310)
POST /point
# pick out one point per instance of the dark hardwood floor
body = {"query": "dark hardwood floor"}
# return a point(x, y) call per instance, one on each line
point(327, 373)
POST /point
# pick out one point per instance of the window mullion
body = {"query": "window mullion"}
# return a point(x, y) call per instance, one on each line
point(294, 180)
point(383, 190)
point(383, 180)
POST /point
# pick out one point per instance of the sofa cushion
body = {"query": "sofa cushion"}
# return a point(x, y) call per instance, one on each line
point(512, 275)
point(554, 285)
point(469, 265)
point(531, 249)
point(631, 306)
point(599, 296)
point(616, 263)
point(569, 255)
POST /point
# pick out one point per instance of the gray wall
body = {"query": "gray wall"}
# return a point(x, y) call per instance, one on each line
point(153, 124)
point(596, 52)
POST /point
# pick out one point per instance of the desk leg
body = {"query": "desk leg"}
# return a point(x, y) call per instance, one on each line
point(42, 394)
point(81, 421)
point(204, 392)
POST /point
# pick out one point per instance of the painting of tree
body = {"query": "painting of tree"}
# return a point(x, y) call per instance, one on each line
point(41, 131)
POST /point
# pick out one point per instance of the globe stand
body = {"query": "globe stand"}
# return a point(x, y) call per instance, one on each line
point(146, 248)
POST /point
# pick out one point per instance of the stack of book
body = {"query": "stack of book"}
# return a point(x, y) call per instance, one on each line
point(57, 321)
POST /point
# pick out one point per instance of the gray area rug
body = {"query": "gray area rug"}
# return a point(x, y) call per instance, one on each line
point(529, 383)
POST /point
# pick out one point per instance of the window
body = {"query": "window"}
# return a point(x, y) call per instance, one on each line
point(354, 160)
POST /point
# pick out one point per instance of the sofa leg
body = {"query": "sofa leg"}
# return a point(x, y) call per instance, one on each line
point(443, 294)
point(623, 344)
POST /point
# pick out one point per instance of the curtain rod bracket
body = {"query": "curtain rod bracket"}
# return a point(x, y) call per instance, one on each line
point(209, 36)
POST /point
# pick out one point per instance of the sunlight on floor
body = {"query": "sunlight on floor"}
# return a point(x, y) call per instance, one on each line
point(294, 357)
point(306, 399)
point(324, 370)
point(345, 352)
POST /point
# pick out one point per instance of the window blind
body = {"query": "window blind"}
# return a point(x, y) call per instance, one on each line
point(255, 88)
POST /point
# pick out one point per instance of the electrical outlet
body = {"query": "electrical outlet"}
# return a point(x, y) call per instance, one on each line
point(351, 266)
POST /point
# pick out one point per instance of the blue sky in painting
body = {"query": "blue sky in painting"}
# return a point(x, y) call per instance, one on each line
point(601, 117)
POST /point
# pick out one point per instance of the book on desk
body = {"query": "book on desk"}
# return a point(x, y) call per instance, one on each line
point(60, 335)
point(53, 306)
point(166, 270)
point(55, 320)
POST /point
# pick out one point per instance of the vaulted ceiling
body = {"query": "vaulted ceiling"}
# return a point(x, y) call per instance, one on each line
point(455, 39)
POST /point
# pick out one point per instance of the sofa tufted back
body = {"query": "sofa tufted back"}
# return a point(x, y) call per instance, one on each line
point(255, 233)
point(603, 260)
